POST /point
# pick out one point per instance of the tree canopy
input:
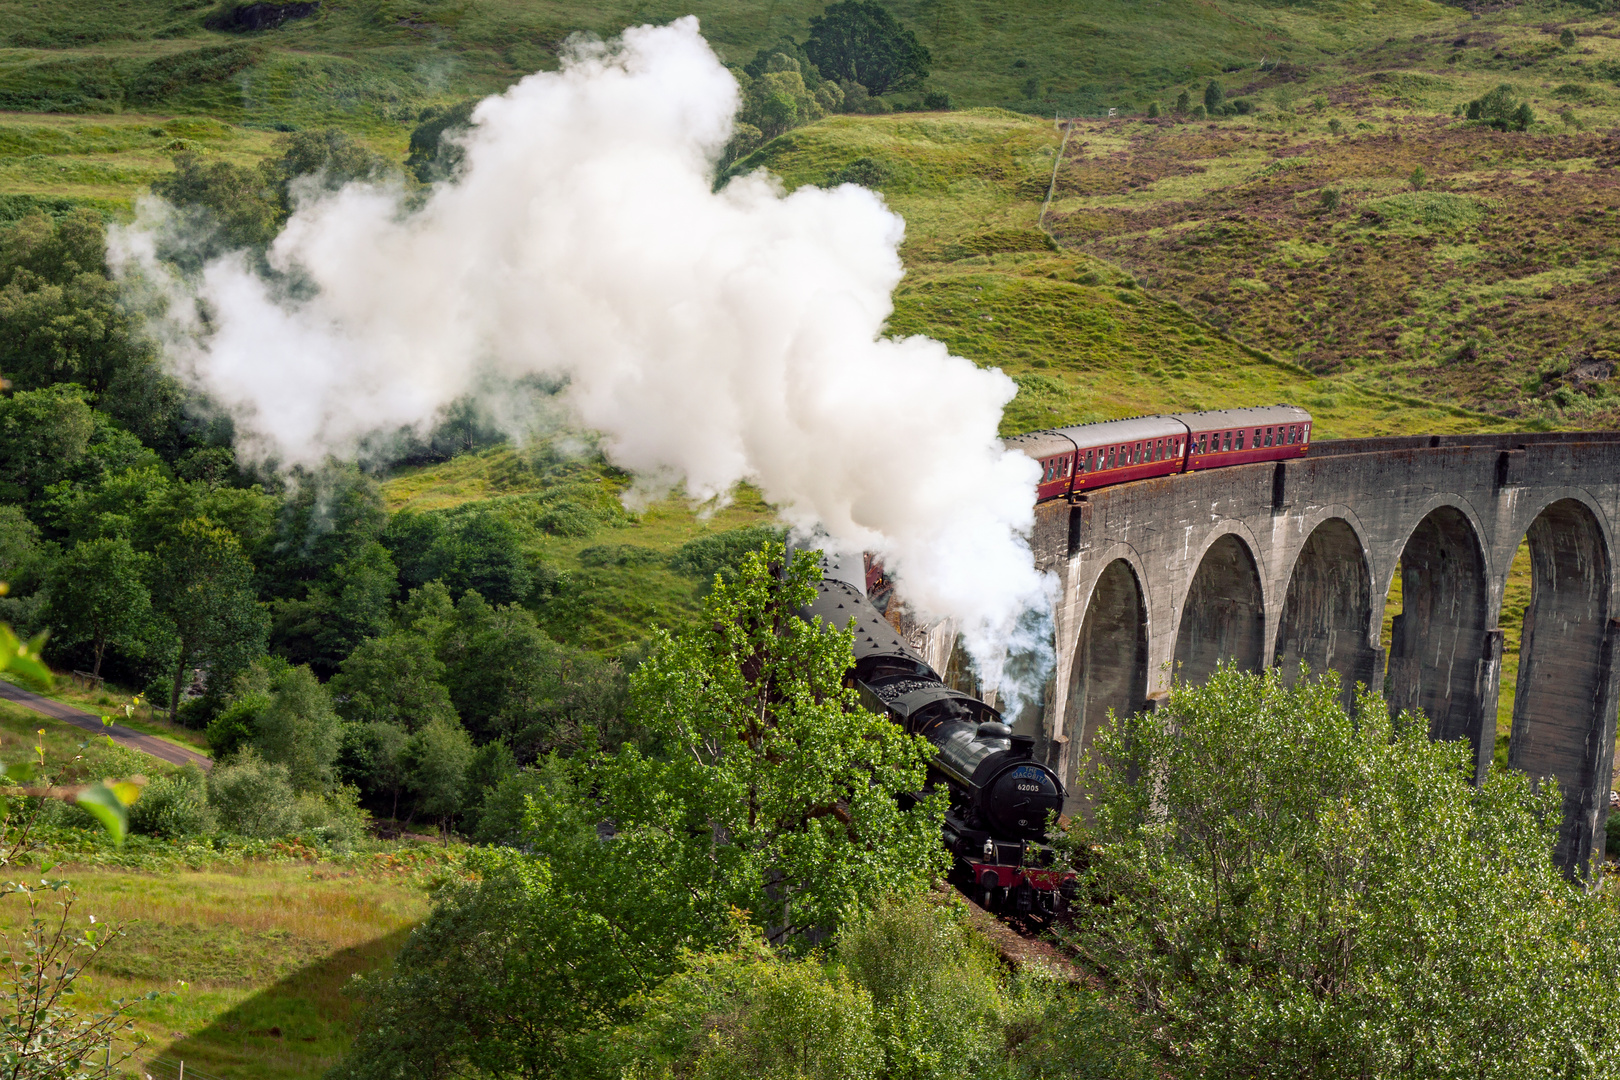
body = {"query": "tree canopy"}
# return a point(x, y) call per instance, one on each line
point(860, 41)
point(1302, 892)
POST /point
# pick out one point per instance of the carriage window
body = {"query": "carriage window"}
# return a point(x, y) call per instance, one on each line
point(1268, 436)
point(1305, 433)
point(1228, 445)
point(1110, 457)
point(1258, 432)
point(1201, 443)
point(1136, 454)
point(1158, 449)
point(1239, 441)
point(1089, 462)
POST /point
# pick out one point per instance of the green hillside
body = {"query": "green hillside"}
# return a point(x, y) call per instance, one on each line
point(373, 63)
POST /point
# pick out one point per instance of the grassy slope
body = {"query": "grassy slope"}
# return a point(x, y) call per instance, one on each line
point(614, 584)
point(1082, 339)
point(370, 62)
point(1494, 287)
point(259, 945)
point(263, 951)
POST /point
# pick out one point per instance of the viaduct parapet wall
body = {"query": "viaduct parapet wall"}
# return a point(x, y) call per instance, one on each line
point(1277, 563)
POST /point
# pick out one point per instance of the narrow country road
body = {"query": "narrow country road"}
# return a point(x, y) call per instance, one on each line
point(121, 735)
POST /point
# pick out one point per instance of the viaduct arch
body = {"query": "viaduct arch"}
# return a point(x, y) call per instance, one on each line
point(1284, 562)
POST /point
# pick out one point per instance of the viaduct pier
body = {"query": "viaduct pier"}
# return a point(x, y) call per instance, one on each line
point(1275, 563)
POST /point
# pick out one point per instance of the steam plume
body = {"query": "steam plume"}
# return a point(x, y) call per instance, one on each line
point(711, 337)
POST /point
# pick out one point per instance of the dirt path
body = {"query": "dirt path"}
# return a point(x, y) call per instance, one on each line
point(123, 736)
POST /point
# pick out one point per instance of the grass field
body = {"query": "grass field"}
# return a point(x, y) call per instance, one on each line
point(250, 960)
point(250, 948)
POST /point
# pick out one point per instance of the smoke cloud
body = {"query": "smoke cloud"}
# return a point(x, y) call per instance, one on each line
point(710, 336)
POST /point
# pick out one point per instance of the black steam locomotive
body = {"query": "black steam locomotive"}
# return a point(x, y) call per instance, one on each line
point(1000, 797)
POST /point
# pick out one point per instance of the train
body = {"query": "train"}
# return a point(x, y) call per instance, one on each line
point(1000, 797)
point(1077, 459)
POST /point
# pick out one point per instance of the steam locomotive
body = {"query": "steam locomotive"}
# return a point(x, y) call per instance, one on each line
point(1000, 797)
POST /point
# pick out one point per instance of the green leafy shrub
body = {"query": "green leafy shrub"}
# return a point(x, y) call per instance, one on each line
point(232, 728)
point(1502, 110)
point(743, 1014)
point(722, 553)
point(937, 101)
point(174, 806)
point(865, 171)
point(937, 1002)
point(1330, 199)
point(334, 819)
point(252, 797)
point(1153, 110)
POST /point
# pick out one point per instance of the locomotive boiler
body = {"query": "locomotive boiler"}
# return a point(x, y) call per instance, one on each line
point(1001, 798)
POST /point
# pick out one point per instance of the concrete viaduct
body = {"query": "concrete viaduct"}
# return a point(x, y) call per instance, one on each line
point(1278, 562)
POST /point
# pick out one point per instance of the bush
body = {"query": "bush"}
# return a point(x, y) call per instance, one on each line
point(173, 806)
point(937, 101)
point(722, 553)
point(1330, 199)
point(1336, 126)
point(938, 1006)
point(1214, 98)
point(762, 1017)
point(232, 728)
point(1198, 113)
point(1502, 110)
point(253, 797)
point(501, 814)
point(1567, 38)
point(1153, 110)
point(335, 819)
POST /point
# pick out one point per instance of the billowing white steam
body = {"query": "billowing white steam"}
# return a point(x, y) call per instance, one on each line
point(711, 337)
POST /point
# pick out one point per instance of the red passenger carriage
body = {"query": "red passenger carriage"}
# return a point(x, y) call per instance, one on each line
point(1076, 459)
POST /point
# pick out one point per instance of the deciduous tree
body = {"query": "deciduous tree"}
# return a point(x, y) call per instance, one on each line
point(766, 786)
point(1295, 891)
point(98, 596)
point(862, 42)
point(203, 587)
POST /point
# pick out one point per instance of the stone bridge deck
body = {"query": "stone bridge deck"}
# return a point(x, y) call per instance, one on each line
point(1277, 563)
